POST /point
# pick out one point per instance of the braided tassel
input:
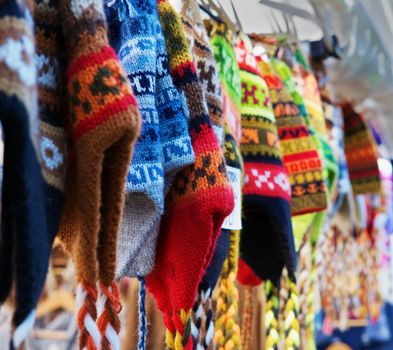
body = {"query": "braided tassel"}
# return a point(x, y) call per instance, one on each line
point(271, 316)
point(227, 329)
point(109, 307)
point(291, 323)
point(179, 337)
point(89, 334)
point(310, 316)
point(142, 314)
point(196, 317)
point(247, 318)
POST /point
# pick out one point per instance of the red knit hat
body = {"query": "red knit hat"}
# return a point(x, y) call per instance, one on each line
point(198, 202)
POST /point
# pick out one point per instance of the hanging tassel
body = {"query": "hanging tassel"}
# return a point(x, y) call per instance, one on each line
point(227, 329)
point(89, 334)
point(109, 307)
point(271, 316)
point(178, 335)
point(247, 318)
point(142, 313)
point(202, 327)
point(291, 322)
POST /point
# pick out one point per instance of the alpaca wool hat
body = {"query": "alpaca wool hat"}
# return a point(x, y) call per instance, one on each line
point(103, 123)
point(200, 197)
point(164, 146)
point(266, 243)
point(361, 153)
point(24, 240)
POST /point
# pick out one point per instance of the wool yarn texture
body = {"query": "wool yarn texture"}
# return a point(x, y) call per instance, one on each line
point(104, 123)
point(300, 155)
point(207, 71)
point(227, 328)
point(266, 191)
point(361, 153)
point(164, 146)
point(206, 68)
point(198, 201)
point(24, 242)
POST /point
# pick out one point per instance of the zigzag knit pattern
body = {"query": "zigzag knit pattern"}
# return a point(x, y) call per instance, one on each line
point(266, 190)
point(201, 196)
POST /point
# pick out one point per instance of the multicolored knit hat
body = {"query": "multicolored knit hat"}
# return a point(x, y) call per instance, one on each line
point(24, 240)
point(197, 203)
point(361, 153)
point(266, 188)
point(227, 329)
point(300, 154)
point(164, 145)
point(103, 125)
point(206, 67)
point(207, 71)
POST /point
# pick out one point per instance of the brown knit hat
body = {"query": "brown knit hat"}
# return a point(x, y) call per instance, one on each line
point(103, 126)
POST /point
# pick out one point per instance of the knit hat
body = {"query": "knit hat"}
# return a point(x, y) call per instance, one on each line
point(24, 243)
point(266, 186)
point(208, 75)
point(206, 67)
point(103, 125)
point(361, 153)
point(227, 329)
point(53, 147)
point(197, 203)
point(164, 145)
point(300, 156)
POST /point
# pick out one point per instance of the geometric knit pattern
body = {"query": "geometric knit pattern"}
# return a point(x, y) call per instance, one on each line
point(24, 242)
point(51, 90)
point(207, 70)
point(164, 146)
point(361, 153)
point(300, 155)
point(104, 124)
point(198, 202)
point(266, 191)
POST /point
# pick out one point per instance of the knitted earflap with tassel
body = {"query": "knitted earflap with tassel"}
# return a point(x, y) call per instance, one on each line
point(25, 242)
point(198, 202)
point(103, 125)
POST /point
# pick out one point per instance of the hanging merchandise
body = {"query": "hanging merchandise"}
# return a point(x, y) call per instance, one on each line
point(25, 239)
point(197, 203)
point(227, 328)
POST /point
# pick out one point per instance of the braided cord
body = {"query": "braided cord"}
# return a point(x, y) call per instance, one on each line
point(180, 337)
point(310, 315)
point(109, 307)
point(248, 311)
point(89, 334)
point(291, 323)
point(271, 316)
point(227, 329)
point(142, 313)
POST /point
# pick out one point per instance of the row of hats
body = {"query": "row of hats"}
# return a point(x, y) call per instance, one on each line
point(147, 142)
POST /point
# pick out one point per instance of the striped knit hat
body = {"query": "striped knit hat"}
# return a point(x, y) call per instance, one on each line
point(361, 153)
point(25, 242)
point(164, 145)
point(197, 203)
point(103, 126)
